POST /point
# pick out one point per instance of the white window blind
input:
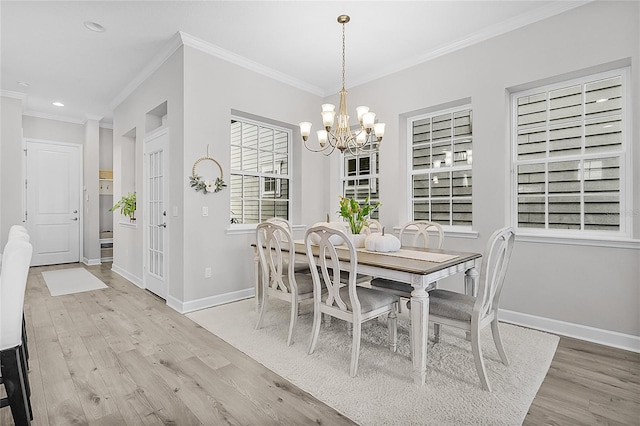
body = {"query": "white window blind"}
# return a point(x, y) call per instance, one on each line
point(260, 171)
point(569, 155)
point(441, 172)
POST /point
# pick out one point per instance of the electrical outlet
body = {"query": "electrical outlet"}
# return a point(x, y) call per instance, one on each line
point(207, 272)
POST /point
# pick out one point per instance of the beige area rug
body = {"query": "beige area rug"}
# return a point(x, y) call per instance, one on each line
point(71, 280)
point(383, 392)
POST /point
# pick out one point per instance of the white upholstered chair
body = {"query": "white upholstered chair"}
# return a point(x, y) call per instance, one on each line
point(279, 278)
point(13, 282)
point(471, 313)
point(351, 303)
point(419, 233)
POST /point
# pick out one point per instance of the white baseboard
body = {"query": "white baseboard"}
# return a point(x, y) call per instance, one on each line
point(209, 302)
point(127, 275)
point(596, 335)
point(91, 262)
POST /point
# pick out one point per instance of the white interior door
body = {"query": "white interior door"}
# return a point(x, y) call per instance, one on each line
point(155, 223)
point(54, 202)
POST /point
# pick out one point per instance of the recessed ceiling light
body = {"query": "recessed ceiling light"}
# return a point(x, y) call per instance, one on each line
point(23, 83)
point(94, 26)
point(58, 104)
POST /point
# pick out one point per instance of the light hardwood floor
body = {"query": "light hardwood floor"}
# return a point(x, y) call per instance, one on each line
point(120, 356)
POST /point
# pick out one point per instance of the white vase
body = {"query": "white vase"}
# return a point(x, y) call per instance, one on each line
point(358, 239)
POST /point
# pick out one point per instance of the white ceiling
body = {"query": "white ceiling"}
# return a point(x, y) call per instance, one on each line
point(45, 44)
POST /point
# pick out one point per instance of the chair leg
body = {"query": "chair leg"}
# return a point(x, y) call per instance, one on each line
point(497, 339)
point(392, 324)
point(315, 331)
point(292, 321)
point(349, 329)
point(263, 308)
point(25, 346)
point(436, 332)
point(14, 382)
point(355, 349)
point(25, 375)
point(477, 358)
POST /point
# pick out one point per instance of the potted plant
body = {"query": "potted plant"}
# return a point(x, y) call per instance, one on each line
point(356, 215)
point(127, 206)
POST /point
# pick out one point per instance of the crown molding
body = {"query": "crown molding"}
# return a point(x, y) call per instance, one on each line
point(93, 117)
point(225, 55)
point(11, 94)
point(504, 27)
point(156, 62)
point(46, 116)
point(106, 126)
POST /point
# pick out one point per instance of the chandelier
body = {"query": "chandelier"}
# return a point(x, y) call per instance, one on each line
point(337, 132)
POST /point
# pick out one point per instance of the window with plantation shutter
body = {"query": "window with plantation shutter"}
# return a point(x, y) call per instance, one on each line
point(360, 177)
point(260, 171)
point(441, 172)
point(569, 155)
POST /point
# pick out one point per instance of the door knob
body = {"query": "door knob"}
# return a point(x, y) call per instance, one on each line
point(75, 218)
point(162, 225)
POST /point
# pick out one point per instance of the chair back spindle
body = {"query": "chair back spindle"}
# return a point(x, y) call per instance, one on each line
point(422, 232)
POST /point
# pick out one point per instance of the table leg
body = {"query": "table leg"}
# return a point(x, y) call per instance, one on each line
point(471, 282)
point(470, 287)
point(419, 329)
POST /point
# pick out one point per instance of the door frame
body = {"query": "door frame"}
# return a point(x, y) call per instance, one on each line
point(81, 192)
point(150, 137)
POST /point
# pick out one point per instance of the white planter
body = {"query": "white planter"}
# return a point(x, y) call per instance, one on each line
point(358, 240)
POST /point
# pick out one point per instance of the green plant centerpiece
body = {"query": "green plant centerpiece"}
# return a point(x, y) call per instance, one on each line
point(127, 206)
point(355, 213)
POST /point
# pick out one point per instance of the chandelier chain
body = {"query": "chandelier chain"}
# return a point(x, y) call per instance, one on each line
point(343, 54)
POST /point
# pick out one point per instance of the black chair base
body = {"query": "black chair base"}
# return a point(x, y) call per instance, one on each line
point(16, 383)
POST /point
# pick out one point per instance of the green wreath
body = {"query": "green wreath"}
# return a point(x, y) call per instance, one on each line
point(206, 185)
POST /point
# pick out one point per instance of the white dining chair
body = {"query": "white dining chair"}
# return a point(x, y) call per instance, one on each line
point(471, 313)
point(279, 279)
point(374, 226)
point(13, 282)
point(351, 303)
point(299, 267)
point(419, 233)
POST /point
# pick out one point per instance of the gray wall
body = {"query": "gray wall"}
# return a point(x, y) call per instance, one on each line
point(591, 286)
point(10, 165)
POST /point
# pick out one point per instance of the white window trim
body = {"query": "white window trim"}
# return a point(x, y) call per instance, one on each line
point(373, 177)
point(241, 226)
point(450, 230)
point(623, 238)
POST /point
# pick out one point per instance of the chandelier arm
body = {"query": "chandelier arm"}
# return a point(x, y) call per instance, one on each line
point(315, 150)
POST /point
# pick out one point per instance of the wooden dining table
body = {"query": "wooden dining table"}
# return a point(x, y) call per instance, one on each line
point(413, 265)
